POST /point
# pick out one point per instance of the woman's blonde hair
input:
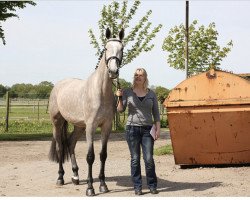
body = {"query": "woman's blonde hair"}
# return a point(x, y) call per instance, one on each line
point(145, 84)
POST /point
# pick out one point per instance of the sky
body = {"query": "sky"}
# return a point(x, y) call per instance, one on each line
point(50, 41)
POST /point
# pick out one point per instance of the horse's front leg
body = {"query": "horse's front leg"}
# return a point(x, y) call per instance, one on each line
point(90, 130)
point(106, 129)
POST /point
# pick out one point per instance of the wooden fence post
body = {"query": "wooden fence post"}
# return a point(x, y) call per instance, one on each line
point(7, 112)
point(38, 109)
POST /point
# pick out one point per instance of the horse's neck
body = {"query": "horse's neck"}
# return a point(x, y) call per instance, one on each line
point(101, 77)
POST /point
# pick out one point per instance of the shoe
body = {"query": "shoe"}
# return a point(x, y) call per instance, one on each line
point(138, 192)
point(154, 191)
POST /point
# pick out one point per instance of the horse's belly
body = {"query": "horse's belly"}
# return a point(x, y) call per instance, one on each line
point(70, 105)
point(80, 107)
point(72, 114)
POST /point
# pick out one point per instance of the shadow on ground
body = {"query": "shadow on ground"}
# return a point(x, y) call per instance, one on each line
point(163, 185)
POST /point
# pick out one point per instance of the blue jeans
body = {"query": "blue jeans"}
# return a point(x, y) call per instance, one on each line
point(139, 136)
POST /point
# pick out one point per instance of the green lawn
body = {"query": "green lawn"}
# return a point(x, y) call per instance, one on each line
point(29, 120)
point(24, 136)
point(164, 150)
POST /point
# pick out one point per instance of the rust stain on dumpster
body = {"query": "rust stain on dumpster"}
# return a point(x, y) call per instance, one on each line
point(209, 119)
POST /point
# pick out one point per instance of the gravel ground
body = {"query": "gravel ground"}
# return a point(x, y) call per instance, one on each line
point(26, 171)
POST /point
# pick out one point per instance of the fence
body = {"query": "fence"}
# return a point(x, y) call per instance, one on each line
point(31, 115)
point(22, 112)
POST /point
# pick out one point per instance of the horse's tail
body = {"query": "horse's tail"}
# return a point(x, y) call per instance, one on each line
point(53, 155)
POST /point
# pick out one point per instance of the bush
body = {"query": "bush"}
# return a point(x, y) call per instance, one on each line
point(164, 123)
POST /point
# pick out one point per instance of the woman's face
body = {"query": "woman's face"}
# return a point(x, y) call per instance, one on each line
point(139, 77)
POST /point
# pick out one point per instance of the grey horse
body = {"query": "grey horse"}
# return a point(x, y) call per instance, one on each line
point(87, 104)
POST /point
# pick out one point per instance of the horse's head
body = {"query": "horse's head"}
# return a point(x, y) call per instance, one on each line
point(113, 53)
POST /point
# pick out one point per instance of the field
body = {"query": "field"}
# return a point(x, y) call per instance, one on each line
point(30, 116)
point(25, 116)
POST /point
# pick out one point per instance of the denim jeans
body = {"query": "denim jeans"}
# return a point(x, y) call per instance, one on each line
point(137, 137)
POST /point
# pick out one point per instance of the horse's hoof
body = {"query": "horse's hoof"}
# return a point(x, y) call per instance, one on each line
point(103, 188)
point(60, 182)
point(75, 181)
point(90, 192)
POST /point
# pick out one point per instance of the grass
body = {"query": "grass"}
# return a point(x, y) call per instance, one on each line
point(27, 126)
point(24, 136)
point(26, 113)
point(26, 123)
point(164, 150)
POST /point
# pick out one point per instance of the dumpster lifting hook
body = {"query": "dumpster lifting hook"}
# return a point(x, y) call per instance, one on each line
point(211, 74)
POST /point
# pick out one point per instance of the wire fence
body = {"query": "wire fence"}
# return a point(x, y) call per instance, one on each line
point(32, 115)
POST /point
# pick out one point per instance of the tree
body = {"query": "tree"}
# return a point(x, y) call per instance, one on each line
point(43, 89)
point(124, 83)
point(3, 90)
point(161, 93)
point(6, 11)
point(21, 90)
point(204, 52)
point(117, 16)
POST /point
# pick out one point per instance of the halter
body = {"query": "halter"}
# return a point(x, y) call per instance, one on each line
point(111, 57)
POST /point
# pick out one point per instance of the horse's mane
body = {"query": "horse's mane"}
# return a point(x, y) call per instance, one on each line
point(100, 57)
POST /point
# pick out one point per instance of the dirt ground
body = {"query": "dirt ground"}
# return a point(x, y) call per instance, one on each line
point(26, 171)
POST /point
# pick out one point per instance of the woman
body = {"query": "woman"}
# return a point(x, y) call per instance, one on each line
point(142, 106)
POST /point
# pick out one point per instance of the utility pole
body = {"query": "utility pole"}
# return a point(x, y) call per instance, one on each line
point(187, 38)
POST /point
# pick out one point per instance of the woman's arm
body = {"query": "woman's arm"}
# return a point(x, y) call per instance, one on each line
point(156, 115)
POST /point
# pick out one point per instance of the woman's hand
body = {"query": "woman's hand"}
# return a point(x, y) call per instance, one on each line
point(119, 93)
point(158, 130)
point(119, 105)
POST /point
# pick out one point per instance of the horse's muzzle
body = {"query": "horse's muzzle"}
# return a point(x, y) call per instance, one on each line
point(113, 76)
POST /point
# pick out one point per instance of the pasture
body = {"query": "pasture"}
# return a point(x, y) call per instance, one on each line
point(25, 116)
point(30, 116)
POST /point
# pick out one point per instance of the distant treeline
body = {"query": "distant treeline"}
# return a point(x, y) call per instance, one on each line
point(43, 89)
point(22, 90)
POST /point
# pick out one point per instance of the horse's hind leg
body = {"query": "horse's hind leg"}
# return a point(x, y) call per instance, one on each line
point(72, 143)
point(106, 129)
point(59, 146)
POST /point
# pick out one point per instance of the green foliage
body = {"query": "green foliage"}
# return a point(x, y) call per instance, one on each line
point(161, 93)
point(117, 16)
point(22, 90)
point(204, 52)
point(123, 84)
point(30, 126)
point(3, 90)
point(164, 123)
point(7, 9)
point(164, 150)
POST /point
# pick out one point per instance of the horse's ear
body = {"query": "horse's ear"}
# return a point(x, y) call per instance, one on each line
point(121, 34)
point(108, 33)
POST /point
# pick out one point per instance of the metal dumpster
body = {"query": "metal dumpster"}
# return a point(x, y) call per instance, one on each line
point(209, 119)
